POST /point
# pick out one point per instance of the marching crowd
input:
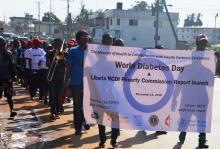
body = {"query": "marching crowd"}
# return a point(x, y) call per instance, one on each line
point(53, 69)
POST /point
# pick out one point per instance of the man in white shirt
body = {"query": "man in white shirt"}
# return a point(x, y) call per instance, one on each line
point(33, 56)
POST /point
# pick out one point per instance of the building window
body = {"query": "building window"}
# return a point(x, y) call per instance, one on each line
point(118, 21)
point(110, 21)
point(133, 22)
point(134, 38)
point(56, 31)
point(117, 34)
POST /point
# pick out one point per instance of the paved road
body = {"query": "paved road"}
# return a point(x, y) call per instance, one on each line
point(33, 129)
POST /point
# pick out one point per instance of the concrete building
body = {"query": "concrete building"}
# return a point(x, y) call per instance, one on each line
point(3, 26)
point(20, 25)
point(188, 34)
point(135, 27)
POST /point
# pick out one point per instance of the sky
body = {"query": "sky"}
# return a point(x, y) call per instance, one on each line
point(208, 8)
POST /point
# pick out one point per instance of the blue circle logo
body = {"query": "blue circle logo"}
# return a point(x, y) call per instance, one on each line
point(162, 102)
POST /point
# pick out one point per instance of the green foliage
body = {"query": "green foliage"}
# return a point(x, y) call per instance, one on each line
point(193, 20)
point(50, 17)
point(141, 5)
point(84, 14)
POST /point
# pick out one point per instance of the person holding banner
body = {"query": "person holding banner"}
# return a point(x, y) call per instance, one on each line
point(74, 72)
point(108, 40)
point(201, 42)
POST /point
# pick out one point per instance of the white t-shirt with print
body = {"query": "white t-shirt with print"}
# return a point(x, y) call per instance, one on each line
point(43, 62)
point(35, 55)
point(27, 56)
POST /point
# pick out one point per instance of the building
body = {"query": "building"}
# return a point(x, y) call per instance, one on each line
point(3, 26)
point(188, 34)
point(48, 28)
point(135, 27)
point(20, 25)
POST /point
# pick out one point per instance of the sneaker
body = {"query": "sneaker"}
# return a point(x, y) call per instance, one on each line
point(202, 142)
point(78, 132)
point(13, 114)
point(102, 145)
point(86, 126)
point(182, 137)
point(203, 145)
point(161, 132)
point(114, 144)
point(57, 116)
point(52, 117)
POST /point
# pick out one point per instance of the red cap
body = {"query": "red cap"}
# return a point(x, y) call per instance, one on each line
point(36, 41)
point(72, 42)
point(29, 43)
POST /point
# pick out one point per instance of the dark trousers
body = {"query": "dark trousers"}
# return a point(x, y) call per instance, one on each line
point(202, 136)
point(77, 93)
point(114, 134)
point(34, 82)
point(55, 88)
point(7, 87)
point(27, 74)
point(43, 83)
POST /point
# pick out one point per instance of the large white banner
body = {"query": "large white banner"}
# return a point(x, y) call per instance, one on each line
point(133, 88)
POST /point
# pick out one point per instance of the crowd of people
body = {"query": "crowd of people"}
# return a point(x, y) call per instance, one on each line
point(52, 69)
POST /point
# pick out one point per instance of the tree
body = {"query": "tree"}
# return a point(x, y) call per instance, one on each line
point(141, 5)
point(187, 21)
point(193, 20)
point(50, 17)
point(153, 7)
point(83, 18)
point(198, 20)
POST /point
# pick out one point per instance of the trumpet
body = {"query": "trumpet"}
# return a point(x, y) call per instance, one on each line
point(59, 55)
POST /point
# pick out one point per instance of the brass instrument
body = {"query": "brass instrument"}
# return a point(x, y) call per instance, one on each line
point(59, 55)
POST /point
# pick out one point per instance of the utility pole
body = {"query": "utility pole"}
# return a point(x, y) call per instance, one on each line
point(82, 3)
point(156, 24)
point(50, 18)
point(4, 18)
point(39, 12)
point(68, 19)
point(38, 3)
point(215, 27)
point(39, 16)
point(171, 23)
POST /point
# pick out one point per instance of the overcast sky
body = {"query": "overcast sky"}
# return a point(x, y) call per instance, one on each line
point(208, 8)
